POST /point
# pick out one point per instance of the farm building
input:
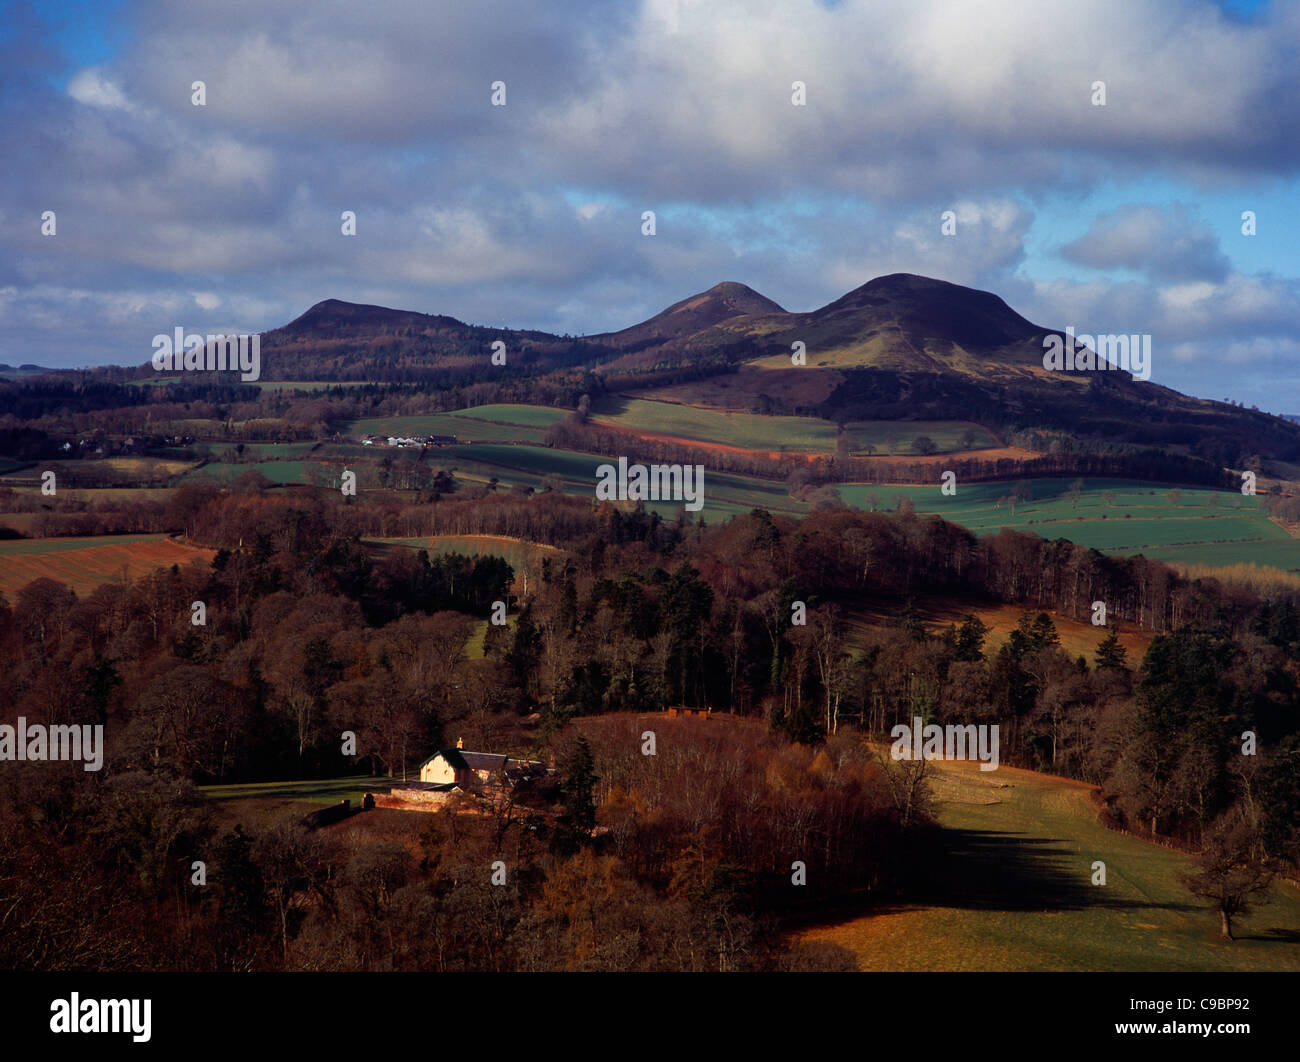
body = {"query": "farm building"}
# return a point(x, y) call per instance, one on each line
point(474, 770)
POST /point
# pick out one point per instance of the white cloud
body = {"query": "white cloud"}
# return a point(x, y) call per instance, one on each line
point(94, 89)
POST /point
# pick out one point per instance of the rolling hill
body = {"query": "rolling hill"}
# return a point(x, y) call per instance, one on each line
point(691, 316)
point(901, 322)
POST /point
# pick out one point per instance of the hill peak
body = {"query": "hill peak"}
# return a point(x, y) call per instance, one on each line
point(733, 289)
point(695, 313)
point(338, 316)
point(913, 287)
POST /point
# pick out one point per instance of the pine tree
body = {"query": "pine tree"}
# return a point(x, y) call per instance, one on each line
point(968, 641)
point(1110, 654)
point(578, 789)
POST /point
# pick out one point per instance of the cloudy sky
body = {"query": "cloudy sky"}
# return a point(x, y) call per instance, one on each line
point(226, 217)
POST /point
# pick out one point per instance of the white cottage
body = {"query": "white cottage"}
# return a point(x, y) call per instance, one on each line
point(473, 770)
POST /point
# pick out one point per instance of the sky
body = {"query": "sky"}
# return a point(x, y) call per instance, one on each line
point(1125, 217)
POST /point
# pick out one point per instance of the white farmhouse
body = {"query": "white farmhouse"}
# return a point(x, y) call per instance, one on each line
point(473, 770)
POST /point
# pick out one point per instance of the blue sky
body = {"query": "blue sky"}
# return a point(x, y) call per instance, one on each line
point(1123, 218)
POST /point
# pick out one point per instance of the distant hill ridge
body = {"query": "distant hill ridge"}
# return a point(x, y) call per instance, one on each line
point(901, 321)
point(899, 347)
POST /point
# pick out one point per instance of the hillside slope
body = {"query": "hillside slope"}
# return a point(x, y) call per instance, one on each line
point(1014, 892)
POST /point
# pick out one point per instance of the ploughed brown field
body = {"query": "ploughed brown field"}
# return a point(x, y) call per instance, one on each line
point(85, 563)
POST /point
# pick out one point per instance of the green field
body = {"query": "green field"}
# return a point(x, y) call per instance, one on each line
point(1013, 891)
point(1141, 518)
point(748, 431)
point(753, 431)
point(475, 647)
point(282, 472)
point(1278, 553)
point(319, 791)
point(533, 461)
point(39, 547)
point(519, 415)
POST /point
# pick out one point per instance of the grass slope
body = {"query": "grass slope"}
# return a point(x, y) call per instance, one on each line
point(1015, 893)
point(753, 431)
point(313, 791)
point(1141, 518)
point(494, 423)
point(748, 431)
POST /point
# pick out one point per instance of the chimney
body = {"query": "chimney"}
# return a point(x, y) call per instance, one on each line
point(460, 743)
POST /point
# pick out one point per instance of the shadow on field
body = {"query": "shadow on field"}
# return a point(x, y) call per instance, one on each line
point(1272, 936)
point(610, 406)
point(997, 871)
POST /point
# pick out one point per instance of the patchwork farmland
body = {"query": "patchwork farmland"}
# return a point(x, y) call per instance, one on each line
point(777, 434)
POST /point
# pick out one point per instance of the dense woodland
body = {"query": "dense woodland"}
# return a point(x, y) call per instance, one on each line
point(310, 632)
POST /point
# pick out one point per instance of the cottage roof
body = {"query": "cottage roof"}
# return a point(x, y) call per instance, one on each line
point(463, 759)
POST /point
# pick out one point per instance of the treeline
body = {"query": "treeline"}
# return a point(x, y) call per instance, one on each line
point(1164, 739)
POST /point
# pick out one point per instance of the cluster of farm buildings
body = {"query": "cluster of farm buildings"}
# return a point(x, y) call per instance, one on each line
point(452, 772)
point(401, 441)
